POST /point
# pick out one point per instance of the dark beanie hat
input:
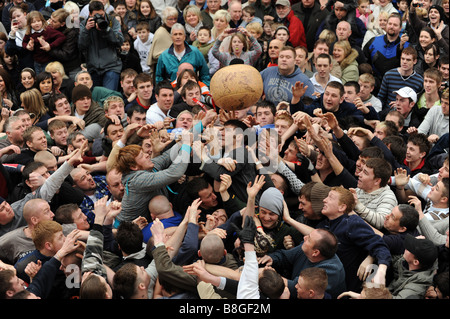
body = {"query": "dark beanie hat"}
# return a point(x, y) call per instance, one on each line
point(1, 200)
point(440, 9)
point(318, 193)
point(80, 91)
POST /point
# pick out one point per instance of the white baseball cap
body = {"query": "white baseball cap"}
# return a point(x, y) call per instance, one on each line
point(407, 92)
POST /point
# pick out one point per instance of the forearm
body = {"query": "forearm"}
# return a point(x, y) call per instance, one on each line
point(248, 282)
point(93, 254)
point(302, 228)
point(53, 183)
point(374, 217)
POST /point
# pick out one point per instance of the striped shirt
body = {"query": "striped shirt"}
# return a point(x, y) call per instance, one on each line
point(393, 81)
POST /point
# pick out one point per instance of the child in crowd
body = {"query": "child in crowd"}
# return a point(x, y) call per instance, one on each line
point(403, 7)
point(40, 39)
point(363, 11)
point(248, 16)
point(366, 86)
point(143, 43)
point(203, 41)
point(268, 31)
point(128, 55)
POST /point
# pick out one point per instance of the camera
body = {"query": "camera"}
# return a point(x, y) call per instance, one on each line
point(416, 5)
point(100, 21)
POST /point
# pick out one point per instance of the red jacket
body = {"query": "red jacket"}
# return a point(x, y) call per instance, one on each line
point(296, 30)
point(54, 37)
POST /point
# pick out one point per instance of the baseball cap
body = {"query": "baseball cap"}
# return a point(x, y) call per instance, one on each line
point(285, 3)
point(407, 92)
point(423, 249)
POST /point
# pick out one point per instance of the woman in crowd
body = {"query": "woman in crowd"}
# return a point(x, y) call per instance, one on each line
point(346, 56)
point(239, 48)
point(61, 82)
point(427, 36)
point(33, 103)
point(193, 22)
point(27, 80)
point(44, 83)
point(8, 96)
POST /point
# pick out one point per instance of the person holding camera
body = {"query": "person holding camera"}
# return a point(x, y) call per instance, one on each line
point(100, 36)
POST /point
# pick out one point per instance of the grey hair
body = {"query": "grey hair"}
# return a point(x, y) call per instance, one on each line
point(177, 26)
point(81, 72)
point(10, 121)
point(169, 12)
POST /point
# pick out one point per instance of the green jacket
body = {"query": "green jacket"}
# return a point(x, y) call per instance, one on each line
point(407, 283)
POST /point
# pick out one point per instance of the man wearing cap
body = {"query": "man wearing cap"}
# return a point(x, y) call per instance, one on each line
point(405, 103)
point(271, 206)
point(89, 111)
point(414, 271)
point(287, 17)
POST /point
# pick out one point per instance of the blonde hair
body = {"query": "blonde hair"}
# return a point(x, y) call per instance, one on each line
point(192, 8)
point(33, 101)
point(367, 78)
point(169, 12)
point(220, 14)
point(110, 99)
point(255, 27)
point(329, 36)
point(445, 94)
point(350, 53)
point(56, 66)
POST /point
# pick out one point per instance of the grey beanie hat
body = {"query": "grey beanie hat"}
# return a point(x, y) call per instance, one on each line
point(272, 199)
point(318, 193)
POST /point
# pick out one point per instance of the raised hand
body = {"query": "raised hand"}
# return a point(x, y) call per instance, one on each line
point(253, 190)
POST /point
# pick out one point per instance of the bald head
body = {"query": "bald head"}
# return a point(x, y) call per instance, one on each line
point(212, 249)
point(36, 210)
point(184, 66)
point(159, 205)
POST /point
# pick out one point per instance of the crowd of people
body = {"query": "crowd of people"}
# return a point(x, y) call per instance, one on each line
point(121, 177)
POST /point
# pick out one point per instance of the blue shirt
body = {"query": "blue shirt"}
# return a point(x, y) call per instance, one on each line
point(173, 221)
point(87, 205)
